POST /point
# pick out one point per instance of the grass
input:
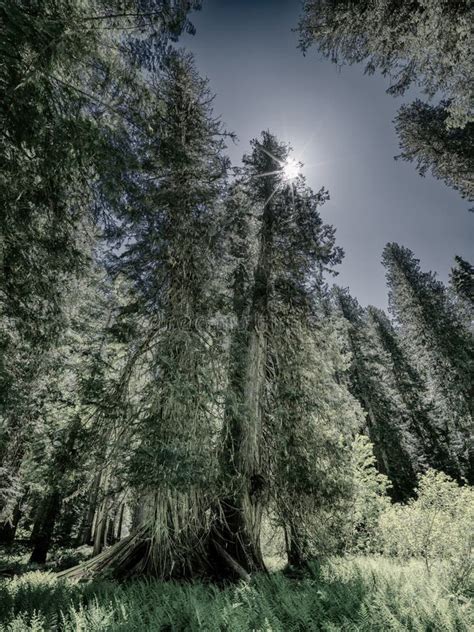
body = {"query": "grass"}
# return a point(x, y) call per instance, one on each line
point(343, 594)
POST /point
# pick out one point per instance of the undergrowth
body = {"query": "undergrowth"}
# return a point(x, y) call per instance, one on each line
point(344, 594)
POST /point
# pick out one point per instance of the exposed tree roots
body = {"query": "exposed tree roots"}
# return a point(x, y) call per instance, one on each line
point(223, 554)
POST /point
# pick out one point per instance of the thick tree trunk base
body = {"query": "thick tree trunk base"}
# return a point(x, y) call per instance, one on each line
point(123, 560)
point(234, 546)
point(212, 559)
point(134, 557)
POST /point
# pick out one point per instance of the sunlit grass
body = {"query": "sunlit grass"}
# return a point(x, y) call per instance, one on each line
point(359, 594)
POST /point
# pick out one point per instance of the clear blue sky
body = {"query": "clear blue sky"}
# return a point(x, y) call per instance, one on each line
point(339, 123)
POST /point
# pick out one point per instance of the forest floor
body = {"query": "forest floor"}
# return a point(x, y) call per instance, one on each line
point(341, 594)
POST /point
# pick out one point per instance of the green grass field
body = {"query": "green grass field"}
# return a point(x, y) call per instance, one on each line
point(344, 594)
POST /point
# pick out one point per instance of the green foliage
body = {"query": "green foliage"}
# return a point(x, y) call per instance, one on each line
point(462, 279)
point(292, 421)
point(370, 498)
point(360, 594)
point(380, 377)
point(317, 418)
point(436, 526)
point(434, 335)
point(424, 43)
point(171, 262)
point(168, 354)
point(426, 140)
point(69, 77)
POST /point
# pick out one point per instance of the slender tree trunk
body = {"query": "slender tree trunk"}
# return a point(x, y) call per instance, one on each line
point(296, 548)
point(111, 523)
point(118, 535)
point(138, 514)
point(85, 533)
point(102, 516)
point(100, 528)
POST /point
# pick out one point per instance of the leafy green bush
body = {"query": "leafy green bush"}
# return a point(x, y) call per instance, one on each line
point(370, 498)
point(436, 526)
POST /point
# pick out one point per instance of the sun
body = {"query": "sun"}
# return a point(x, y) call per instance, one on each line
point(290, 169)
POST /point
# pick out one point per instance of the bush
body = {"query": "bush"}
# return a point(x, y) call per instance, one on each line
point(435, 527)
point(370, 498)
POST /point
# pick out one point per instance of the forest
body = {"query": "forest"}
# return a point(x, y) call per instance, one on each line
point(200, 429)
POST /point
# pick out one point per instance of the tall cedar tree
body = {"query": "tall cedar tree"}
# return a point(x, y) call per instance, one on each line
point(171, 258)
point(429, 449)
point(462, 279)
point(447, 152)
point(69, 434)
point(285, 421)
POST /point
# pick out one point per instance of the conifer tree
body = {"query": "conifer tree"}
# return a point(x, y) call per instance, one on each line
point(427, 140)
point(424, 43)
point(280, 408)
point(58, 444)
point(428, 450)
point(64, 107)
point(171, 259)
point(389, 422)
point(441, 349)
point(462, 279)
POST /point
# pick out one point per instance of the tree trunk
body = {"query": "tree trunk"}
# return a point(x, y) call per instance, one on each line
point(44, 527)
point(110, 530)
point(138, 514)
point(185, 534)
point(118, 535)
point(239, 521)
point(85, 532)
point(235, 542)
point(45, 522)
point(171, 543)
point(295, 547)
point(100, 528)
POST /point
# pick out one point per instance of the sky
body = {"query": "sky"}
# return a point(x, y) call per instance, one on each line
point(340, 125)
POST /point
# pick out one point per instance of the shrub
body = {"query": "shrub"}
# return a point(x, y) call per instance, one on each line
point(436, 527)
point(370, 498)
